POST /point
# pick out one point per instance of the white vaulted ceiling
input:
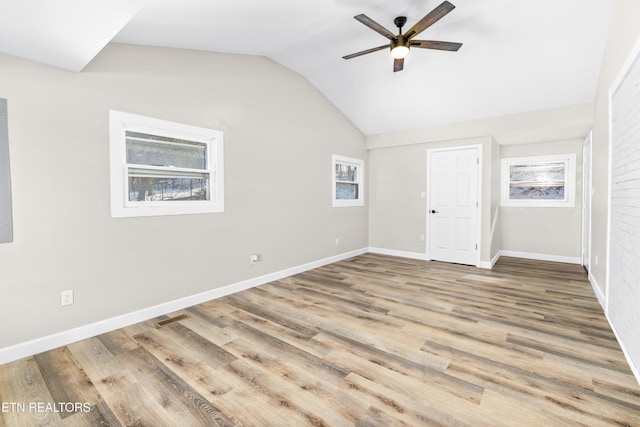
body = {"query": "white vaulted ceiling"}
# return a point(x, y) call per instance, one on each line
point(517, 55)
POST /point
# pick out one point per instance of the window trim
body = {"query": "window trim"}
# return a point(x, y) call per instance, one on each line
point(359, 164)
point(569, 161)
point(121, 122)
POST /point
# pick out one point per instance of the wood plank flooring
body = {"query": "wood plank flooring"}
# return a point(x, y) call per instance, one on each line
point(370, 341)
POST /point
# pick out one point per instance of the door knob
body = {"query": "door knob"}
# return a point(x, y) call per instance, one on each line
point(434, 211)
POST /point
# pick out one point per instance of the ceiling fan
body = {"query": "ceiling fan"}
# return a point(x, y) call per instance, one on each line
point(401, 43)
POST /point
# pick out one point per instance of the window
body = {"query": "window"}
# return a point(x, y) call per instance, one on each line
point(544, 181)
point(348, 182)
point(164, 168)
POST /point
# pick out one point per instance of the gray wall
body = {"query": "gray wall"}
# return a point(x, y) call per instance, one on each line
point(397, 213)
point(279, 131)
point(397, 161)
point(546, 231)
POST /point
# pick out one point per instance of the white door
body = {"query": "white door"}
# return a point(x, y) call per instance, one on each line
point(586, 201)
point(453, 206)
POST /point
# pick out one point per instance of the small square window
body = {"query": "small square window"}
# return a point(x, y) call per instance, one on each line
point(348, 182)
point(164, 168)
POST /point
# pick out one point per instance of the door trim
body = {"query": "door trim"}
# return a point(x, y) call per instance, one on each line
point(587, 172)
point(480, 186)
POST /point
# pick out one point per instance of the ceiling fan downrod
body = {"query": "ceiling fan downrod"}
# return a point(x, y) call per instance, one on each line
point(399, 22)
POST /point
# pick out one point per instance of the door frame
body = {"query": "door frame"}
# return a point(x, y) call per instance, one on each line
point(587, 172)
point(428, 196)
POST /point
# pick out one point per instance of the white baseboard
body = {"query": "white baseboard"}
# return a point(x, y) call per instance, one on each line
point(483, 264)
point(598, 292)
point(489, 264)
point(422, 256)
point(602, 300)
point(403, 254)
point(634, 369)
point(38, 345)
point(541, 257)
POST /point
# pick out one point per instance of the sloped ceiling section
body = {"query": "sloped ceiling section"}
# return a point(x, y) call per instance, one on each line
point(64, 33)
point(517, 55)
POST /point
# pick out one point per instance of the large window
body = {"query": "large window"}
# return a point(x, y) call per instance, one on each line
point(543, 181)
point(348, 181)
point(164, 168)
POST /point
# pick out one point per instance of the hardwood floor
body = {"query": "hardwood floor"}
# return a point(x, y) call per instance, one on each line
point(370, 341)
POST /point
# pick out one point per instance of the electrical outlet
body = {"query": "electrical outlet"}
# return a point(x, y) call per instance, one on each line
point(254, 259)
point(66, 297)
point(337, 241)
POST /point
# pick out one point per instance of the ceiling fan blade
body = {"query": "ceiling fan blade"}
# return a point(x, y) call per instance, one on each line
point(433, 44)
point(375, 26)
point(398, 64)
point(364, 52)
point(431, 18)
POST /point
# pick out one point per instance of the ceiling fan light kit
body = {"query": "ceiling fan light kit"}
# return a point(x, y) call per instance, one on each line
point(400, 47)
point(400, 44)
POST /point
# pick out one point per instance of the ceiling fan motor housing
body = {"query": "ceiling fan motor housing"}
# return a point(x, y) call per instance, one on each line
point(399, 41)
